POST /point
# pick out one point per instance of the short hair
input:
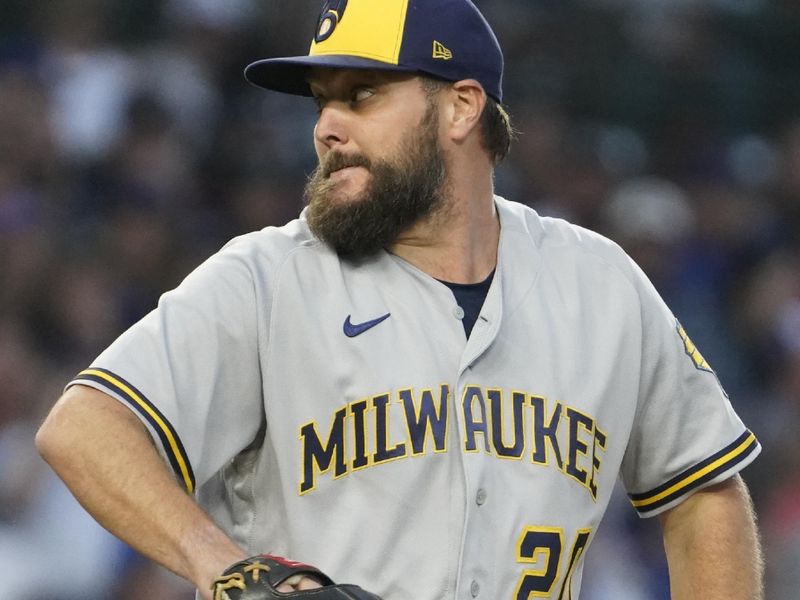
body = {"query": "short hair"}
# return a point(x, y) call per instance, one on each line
point(497, 132)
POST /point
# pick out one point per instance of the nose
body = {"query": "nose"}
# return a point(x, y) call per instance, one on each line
point(331, 128)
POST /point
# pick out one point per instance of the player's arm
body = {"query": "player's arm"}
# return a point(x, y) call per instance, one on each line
point(106, 457)
point(712, 545)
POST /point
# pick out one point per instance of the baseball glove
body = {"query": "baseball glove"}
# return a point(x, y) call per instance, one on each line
point(258, 577)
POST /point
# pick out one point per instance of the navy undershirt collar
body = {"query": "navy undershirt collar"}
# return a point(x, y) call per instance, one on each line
point(470, 297)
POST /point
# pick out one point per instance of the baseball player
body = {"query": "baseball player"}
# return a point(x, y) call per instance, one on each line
point(417, 386)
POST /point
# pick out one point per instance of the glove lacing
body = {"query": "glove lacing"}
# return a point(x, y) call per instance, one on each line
point(236, 580)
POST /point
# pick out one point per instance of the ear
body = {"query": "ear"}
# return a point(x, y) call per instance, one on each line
point(466, 102)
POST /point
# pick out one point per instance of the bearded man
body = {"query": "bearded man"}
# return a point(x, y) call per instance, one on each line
point(417, 386)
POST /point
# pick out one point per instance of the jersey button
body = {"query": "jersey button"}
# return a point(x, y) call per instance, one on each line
point(480, 498)
point(458, 312)
point(474, 589)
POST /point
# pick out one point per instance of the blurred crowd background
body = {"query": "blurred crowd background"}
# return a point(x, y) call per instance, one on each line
point(131, 148)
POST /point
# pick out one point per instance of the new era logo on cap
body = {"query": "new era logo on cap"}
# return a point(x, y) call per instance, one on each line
point(448, 39)
point(439, 51)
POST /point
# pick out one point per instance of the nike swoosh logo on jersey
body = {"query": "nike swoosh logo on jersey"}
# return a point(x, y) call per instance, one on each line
point(352, 330)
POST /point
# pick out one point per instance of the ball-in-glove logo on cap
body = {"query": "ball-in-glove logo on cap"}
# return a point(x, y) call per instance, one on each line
point(332, 14)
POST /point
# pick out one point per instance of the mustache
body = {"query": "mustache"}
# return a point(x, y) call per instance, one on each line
point(336, 160)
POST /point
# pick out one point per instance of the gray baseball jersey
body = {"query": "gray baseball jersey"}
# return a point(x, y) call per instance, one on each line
point(336, 413)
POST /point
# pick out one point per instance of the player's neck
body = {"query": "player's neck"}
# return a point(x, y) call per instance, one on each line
point(459, 242)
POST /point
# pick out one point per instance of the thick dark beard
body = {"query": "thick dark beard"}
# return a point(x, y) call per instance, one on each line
point(398, 195)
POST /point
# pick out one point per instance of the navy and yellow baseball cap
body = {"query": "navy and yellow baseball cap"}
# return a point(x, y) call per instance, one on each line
point(446, 39)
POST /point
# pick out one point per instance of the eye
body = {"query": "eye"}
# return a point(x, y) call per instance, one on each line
point(362, 93)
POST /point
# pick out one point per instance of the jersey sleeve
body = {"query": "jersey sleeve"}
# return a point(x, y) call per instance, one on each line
point(190, 369)
point(686, 435)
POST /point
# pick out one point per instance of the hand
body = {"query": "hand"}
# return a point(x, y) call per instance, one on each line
point(299, 582)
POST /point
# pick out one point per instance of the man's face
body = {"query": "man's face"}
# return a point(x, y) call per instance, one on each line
point(381, 167)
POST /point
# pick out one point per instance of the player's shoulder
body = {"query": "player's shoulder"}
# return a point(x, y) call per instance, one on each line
point(557, 236)
point(273, 245)
point(260, 255)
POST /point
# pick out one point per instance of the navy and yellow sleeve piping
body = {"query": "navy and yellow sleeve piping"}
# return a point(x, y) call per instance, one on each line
point(118, 387)
point(737, 454)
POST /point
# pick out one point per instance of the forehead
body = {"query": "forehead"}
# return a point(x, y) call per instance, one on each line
point(323, 78)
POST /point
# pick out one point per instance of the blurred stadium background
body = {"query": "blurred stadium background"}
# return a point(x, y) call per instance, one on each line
point(131, 149)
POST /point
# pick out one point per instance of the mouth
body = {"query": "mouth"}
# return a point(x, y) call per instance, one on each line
point(341, 164)
point(343, 172)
